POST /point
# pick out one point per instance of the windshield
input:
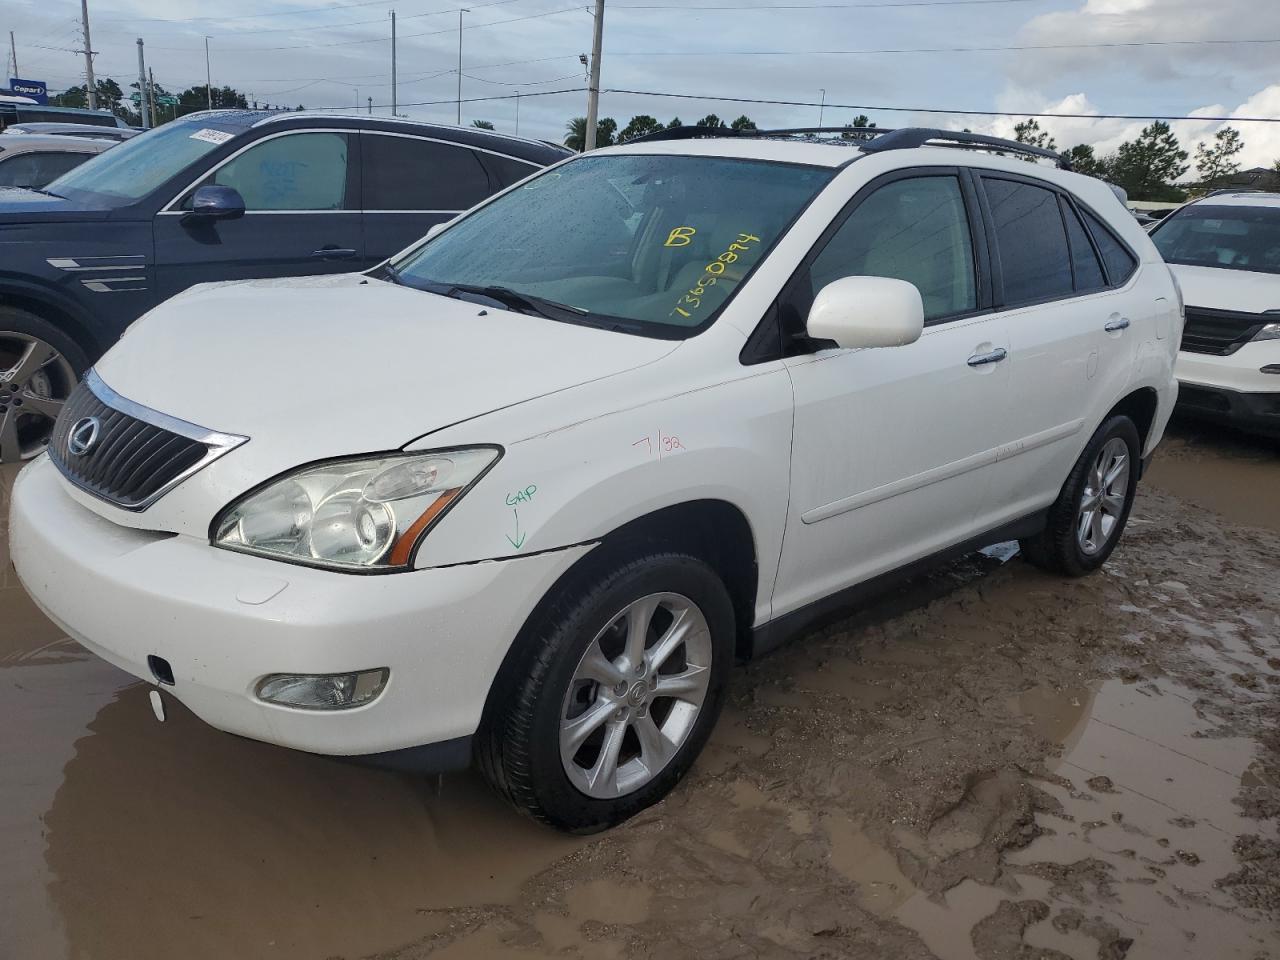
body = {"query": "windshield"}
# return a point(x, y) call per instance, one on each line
point(132, 170)
point(1237, 238)
point(661, 242)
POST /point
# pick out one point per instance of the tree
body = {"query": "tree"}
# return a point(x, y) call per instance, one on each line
point(1029, 132)
point(110, 97)
point(1147, 167)
point(1084, 160)
point(639, 126)
point(743, 123)
point(194, 99)
point(677, 122)
point(576, 133)
point(482, 124)
point(1218, 161)
point(861, 121)
point(711, 120)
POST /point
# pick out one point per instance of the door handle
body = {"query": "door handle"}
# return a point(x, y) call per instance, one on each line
point(1116, 325)
point(333, 253)
point(994, 356)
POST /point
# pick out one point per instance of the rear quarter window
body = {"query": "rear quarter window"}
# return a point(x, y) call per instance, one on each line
point(1120, 262)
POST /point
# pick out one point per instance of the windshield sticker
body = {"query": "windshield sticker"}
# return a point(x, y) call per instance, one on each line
point(680, 237)
point(212, 136)
point(713, 270)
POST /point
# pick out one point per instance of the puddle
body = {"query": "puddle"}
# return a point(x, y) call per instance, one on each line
point(1221, 470)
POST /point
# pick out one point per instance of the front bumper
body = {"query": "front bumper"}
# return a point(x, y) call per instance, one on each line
point(224, 620)
point(1242, 388)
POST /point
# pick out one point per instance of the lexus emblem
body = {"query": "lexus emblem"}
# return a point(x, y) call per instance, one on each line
point(84, 435)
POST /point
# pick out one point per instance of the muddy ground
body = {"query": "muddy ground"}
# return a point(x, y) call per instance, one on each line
point(991, 763)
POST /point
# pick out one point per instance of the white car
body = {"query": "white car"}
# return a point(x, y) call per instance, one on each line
point(523, 494)
point(1225, 252)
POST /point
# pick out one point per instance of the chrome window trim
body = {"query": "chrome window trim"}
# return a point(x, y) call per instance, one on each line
point(218, 443)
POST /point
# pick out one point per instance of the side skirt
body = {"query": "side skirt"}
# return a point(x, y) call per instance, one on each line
point(769, 636)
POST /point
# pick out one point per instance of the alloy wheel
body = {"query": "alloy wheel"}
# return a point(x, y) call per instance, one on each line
point(1105, 494)
point(35, 381)
point(635, 696)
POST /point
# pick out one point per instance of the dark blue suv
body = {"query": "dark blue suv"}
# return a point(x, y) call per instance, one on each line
point(222, 195)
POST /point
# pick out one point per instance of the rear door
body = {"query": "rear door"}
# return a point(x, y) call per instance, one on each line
point(302, 214)
point(410, 183)
point(1070, 349)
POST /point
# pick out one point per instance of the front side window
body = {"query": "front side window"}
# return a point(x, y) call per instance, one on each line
point(914, 230)
point(298, 171)
point(1034, 259)
point(405, 173)
point(658, 242)
point(1235, 237)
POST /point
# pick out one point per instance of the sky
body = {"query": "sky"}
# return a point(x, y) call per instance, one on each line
point(1090, 57)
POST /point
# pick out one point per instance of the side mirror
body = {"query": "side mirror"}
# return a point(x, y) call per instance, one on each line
point(216, 203)
point(867, 312)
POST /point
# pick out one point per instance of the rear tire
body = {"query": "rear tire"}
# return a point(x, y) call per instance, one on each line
point(579, 689)
point(39, 367)
point(1086, 521)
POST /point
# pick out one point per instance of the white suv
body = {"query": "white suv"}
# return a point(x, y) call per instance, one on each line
point(1225, 252)
point(522, 494)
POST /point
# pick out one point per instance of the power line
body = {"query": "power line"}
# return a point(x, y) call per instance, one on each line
point(408, 36)
point(875, 5)
point(896, 50)
point(280, 13)
point(881, 108)
point(453, 100)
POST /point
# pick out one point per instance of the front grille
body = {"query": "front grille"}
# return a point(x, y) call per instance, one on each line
point(135, 455)
point(1219, 332)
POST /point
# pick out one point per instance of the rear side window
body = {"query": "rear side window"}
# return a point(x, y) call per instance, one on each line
point(1034, 258)
point(914, 230)
point(506, 171)
point(1084, 261)
point(38, 170)
point(405, 173)
point(1120, 262)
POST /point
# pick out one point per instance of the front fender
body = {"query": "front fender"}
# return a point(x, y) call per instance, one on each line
point(577, 483)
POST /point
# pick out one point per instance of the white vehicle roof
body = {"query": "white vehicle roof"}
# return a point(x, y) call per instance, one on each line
point(1244, 198)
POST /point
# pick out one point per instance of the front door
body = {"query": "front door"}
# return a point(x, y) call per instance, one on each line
point(893, 447)
point(302, 215)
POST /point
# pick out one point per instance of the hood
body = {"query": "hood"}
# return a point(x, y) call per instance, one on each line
point(1216, 288)
point(19, 205)
point(320, 367)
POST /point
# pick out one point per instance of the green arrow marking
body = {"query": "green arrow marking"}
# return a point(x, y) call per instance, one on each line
point(518, 541)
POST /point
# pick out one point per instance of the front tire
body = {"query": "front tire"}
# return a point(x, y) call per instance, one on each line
point(39, 367)
point(1087, 519)
point(612, 693)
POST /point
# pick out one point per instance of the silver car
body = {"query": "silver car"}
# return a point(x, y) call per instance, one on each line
point(32, 161)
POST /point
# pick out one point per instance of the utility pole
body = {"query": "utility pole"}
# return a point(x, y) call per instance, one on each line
point(371, 106)
point(823, 105)
point(91, 88)
point(13, 49)
point(151, 87)
point(142, 87)
point(593, 92)
point(460, 13)
point(517, 113)
point(393, 64)
point(208, 83)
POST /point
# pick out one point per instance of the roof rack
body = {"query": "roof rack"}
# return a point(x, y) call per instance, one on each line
point(876, 139)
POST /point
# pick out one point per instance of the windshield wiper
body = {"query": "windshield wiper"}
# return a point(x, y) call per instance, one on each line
point(391, 273)
point(523, 302)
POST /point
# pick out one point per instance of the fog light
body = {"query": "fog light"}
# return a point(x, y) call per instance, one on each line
point(327, 691)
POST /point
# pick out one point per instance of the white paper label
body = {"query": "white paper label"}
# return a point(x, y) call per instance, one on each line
point(212, 136)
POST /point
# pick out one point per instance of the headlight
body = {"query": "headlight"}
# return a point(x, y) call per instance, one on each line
point(1270, 332)
point(361, 514)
